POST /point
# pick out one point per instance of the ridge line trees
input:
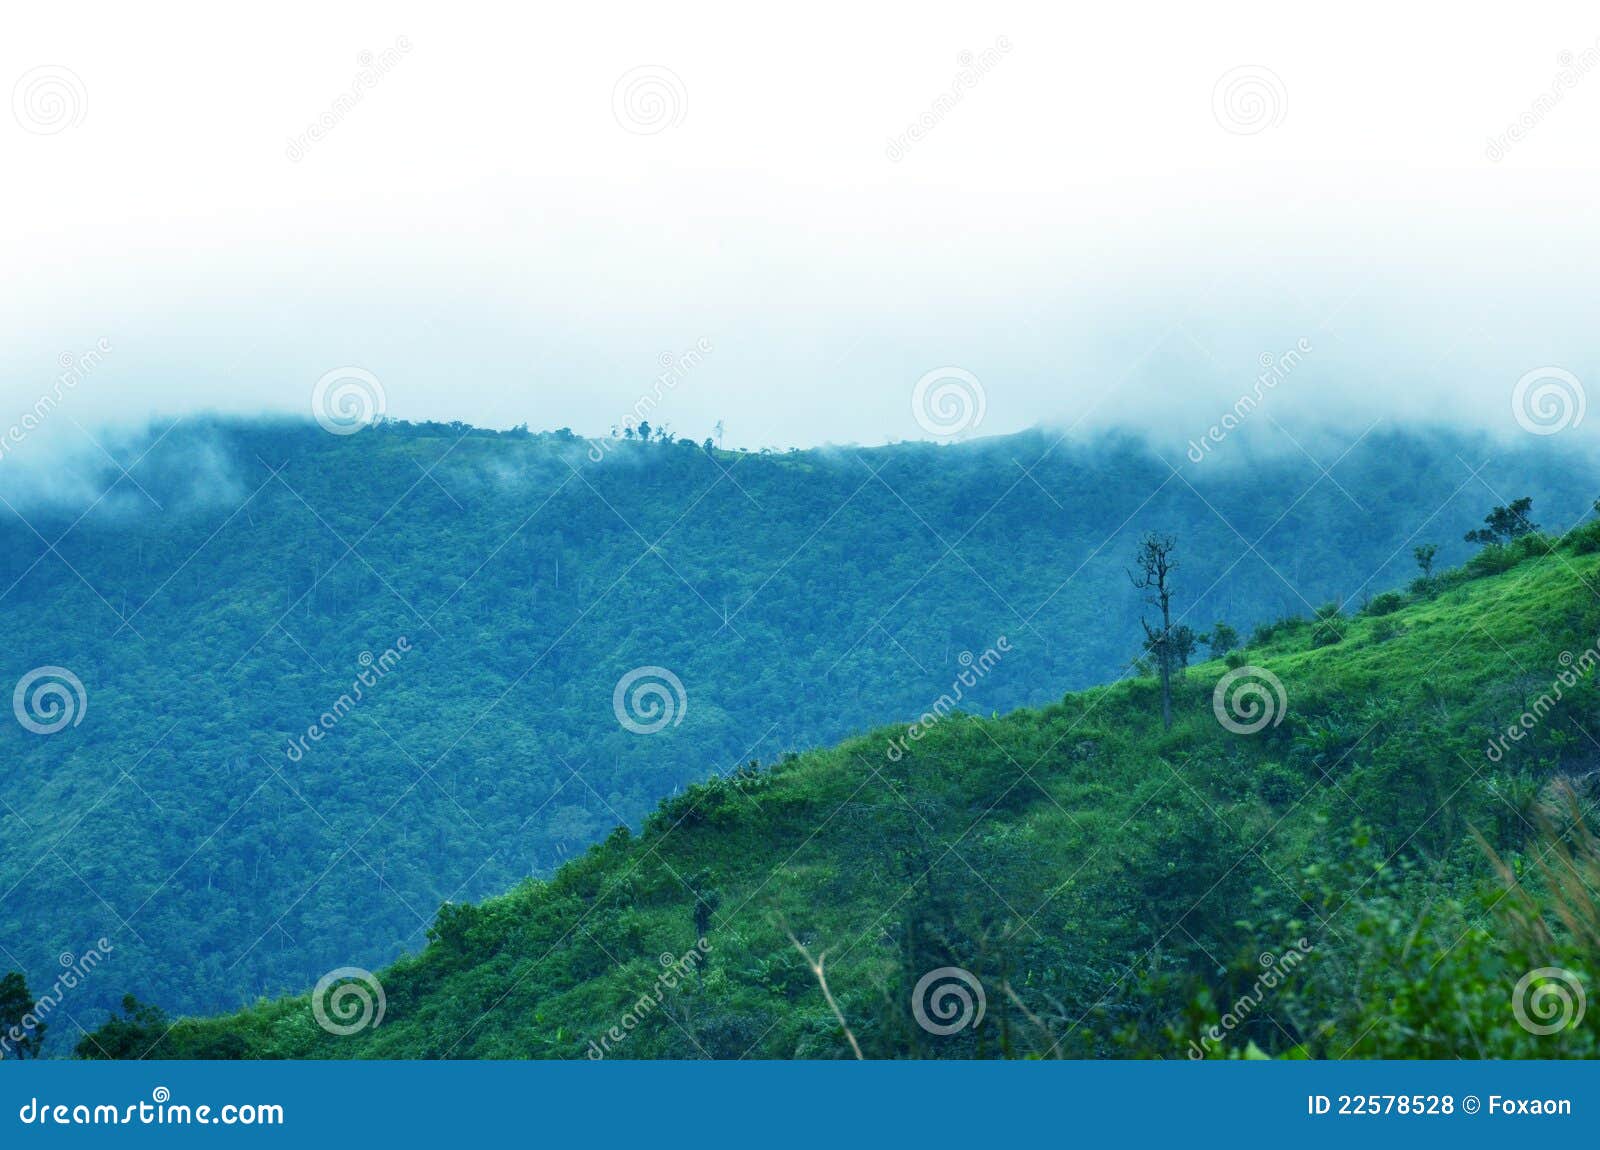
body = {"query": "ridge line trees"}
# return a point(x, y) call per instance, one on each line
point(1505, 524)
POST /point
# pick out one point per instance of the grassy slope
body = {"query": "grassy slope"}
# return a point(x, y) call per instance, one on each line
point(1075, 853)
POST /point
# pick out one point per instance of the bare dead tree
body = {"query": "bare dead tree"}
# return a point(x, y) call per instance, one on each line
point(1156, 563)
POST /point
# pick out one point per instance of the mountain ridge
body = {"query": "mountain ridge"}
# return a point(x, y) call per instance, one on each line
point(220, 600)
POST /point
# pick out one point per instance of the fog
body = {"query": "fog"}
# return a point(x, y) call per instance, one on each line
point(857, 227)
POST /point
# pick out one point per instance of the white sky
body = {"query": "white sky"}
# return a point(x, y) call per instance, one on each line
point(1079, 231)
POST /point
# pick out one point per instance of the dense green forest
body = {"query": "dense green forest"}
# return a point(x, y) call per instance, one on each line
point(491, 590)
point(1361, 836)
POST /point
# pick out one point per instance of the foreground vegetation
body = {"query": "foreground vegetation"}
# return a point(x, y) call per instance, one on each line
point(1370, 873)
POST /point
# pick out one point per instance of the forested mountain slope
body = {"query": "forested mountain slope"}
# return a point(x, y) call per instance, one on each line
point(1322, 851)
point(236, 821)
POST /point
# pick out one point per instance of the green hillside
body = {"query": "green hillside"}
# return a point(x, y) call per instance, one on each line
point(221, 598)
point(1113, 888)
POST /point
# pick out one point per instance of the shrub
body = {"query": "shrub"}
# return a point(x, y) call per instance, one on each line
point(1221, 639)
point(1288, 625)
point(1494, 559)
point(1497, 558)
point(1386, 604)
point(1330, 628)
point(1584, 540)
point(1279, 785)
point(1532, 545)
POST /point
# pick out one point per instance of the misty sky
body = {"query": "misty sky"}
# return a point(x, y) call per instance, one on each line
point(1103, 217)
